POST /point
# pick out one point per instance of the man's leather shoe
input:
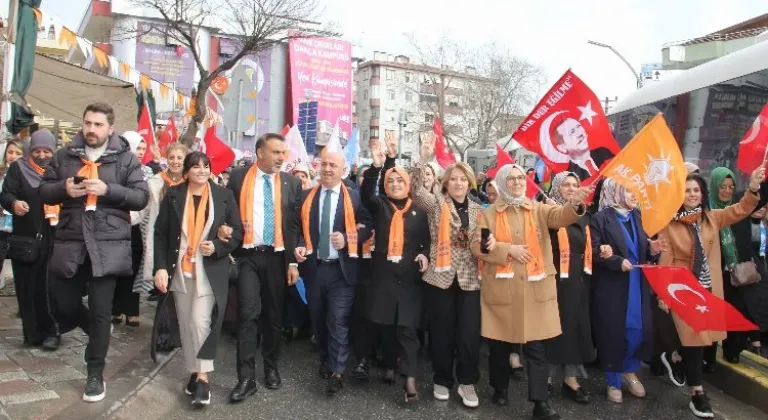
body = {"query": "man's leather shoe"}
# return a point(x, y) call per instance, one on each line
point(542, 411)
point(272, 379)
point(334, 384)
point(52, 343)
point(244, 389)
point(361, 371)
point(324, 372)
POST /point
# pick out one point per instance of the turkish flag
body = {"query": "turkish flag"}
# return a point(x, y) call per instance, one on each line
point(503, 158)
point(286, 130)
point(443, 154)
point(689, 300)
point(568, 130)
point(169, 136)
point(752, 148)
point(218, 152)
point(147, 132)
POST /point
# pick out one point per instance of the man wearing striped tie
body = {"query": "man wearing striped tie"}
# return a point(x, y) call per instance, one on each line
point(269, 203)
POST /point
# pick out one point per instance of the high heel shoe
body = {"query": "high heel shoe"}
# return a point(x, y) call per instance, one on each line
point(409, 398)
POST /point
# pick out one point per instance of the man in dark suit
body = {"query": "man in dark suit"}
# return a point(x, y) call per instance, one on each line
point(266, 258)
point(329, 271)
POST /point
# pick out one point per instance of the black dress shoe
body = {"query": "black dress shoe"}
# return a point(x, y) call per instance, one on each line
point(244, 389)
point(542, 411)
point(579, 395)
point(500, 397)
point(51, 343)
point(334, 384)
point(361, 371)
point(324, 372)
point(272, 379)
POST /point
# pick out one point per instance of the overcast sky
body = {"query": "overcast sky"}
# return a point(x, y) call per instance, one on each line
point(552, 34)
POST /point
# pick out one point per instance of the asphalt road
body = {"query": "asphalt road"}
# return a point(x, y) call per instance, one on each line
point(303, 396)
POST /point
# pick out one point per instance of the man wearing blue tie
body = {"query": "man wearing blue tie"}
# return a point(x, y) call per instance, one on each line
point(333, 223)
point(269, 203)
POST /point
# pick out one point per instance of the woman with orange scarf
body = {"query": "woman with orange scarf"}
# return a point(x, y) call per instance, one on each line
point(398, 259)
point(193, 263)
point(519, 294)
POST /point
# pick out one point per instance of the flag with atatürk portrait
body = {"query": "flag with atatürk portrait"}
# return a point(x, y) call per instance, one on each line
point(568, 129)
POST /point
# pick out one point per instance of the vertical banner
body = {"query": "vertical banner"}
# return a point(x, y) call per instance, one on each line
point(321, 89)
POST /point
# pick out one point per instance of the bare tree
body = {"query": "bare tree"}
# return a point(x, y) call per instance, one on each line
point(254, 25)
point(478, 93)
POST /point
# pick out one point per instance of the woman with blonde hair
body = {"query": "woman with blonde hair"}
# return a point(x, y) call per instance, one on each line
point(519, 295)
point(452, 292)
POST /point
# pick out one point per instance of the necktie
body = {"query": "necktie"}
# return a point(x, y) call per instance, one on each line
point(324, 250)
point(593, 169)
point(269, 212)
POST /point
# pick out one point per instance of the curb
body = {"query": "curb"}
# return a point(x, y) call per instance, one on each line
point(746, 381)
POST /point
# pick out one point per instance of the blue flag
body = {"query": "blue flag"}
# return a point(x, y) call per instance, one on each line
point(352, 151)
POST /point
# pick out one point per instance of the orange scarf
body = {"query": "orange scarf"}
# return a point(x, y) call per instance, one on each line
point(443, 263)
point(565, 252)
point(534, 269)
point(350, 226)
point(246, 210)
point(169, 181)
point(51, 212)
point(396, 234)
point(90, 170)
point(195, 224)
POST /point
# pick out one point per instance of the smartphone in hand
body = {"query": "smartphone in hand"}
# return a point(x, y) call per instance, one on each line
point(484, 235)
point(79, 179)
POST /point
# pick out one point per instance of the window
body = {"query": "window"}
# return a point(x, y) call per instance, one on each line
point(454, 103)
point(366, 74)
point(365, 94)
point(374, 133)
point(409, 96)
point(375, 111)
point(390, 74)
point(408, 77)
point(429, 118)
point(365, 135)
point(375, 71)
point(391, 94)
point(375, 92)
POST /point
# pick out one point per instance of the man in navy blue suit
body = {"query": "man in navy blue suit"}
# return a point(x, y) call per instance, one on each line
point(329, 271)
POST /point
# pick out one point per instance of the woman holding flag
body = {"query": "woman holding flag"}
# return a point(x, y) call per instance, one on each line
point(519, 295)
point(694, 242)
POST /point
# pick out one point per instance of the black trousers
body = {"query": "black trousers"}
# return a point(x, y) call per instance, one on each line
point(397, 342)
point(260, 301)
point(454, 333)
point(31, 283)
point(125, 302)
point(69, 312)
point(535, 361)
point(692, 362)
point(737, 341)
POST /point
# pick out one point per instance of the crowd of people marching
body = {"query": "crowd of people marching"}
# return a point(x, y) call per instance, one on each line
point(391, 260)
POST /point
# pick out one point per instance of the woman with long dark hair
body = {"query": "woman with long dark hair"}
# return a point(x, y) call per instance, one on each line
point(694, 241)
point(193, 263)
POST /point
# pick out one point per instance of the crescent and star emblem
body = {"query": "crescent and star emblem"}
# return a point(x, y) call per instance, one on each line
point(753, 132)
point(677, 287)
point(547, 147)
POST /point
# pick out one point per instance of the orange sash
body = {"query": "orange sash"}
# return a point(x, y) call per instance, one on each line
point(565, 252)
point(246, 210)
point(396, 234)
point(90, 170)
point(350, 226)
point(443, 262)
point(168, 180)
point(195, 224)
point(51, 212)
point(504, 235)
point(534, 269)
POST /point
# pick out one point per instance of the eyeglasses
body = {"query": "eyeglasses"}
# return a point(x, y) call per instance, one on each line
point(518, 179)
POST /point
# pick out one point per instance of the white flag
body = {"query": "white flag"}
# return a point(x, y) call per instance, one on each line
point(334, 143)
point(297, 152)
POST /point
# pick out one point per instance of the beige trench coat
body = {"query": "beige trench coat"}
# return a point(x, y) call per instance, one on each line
point(679, 253)
point(517, 310)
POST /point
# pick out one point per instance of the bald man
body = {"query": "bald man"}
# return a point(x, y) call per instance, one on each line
point(330, 270)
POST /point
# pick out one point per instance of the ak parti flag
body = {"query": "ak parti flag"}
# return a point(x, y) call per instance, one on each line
point(568, 130)
point(652, 167)
point(443, 154)
point(752, 148)
point(218, 152)
point(146, 131)
point(695, 305)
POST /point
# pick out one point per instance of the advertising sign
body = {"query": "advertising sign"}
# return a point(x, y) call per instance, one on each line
point(164, 62)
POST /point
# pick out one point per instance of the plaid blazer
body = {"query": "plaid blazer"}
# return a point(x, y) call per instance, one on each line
point(463, 263)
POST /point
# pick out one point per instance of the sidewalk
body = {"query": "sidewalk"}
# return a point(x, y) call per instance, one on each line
point(35, 384)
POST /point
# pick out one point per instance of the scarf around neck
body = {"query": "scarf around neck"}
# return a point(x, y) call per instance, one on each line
point(534, 270)
point(51, 212)
point(396, 232)
point(699, 263)
point(169, 181)
point(350, 226)
point(90, 170)
point(246, 210)
point(195, 223)
point(727, 241)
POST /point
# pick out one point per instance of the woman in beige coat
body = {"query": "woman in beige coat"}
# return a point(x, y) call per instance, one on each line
point(519, 294)
point(693, 239)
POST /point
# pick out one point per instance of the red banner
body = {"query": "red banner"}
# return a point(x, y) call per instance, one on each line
point(443, 153)
point(752, 148)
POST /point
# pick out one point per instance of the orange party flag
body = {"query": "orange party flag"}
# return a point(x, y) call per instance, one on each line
point(652, 167)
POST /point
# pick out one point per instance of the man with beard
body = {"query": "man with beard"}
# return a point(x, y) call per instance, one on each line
point(97, 181)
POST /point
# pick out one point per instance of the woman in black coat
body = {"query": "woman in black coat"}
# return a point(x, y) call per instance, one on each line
point(30, 225)
point(199, 275)
point(574, 347)
point(751, 300)
point(399, 258)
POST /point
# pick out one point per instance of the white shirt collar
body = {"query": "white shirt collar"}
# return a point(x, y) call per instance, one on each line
point(336, 189)
point(260, 174)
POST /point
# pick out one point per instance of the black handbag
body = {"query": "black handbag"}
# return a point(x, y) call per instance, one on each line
point(24, 249)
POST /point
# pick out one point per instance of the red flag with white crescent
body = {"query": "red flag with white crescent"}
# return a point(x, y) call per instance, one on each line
point(568, 129)
point(692, 303)
point(218, 152)
point(752, 148)
point(443, 154)
point(147, 132)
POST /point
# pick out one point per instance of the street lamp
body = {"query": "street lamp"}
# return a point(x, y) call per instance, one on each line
point(632, 69)
point(402, 123)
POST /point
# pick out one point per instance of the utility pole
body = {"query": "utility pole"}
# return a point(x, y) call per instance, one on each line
point(607, 103)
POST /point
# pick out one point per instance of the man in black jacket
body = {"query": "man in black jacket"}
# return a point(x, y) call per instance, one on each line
point(266, 259)
point(97, 181)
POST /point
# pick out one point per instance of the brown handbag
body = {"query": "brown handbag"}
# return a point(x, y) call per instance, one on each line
point(744, 274)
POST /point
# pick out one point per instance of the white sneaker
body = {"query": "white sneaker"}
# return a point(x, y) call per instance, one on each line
point(441, 393)
point(468, 396)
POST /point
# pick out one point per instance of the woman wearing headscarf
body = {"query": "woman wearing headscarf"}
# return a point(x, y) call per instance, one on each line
point(398, 259)
point(302, 172)
point(621, 297)
point(33, 226)
point(198, 275)
point(452, 292)
point(519, 293)
point(694, 241)
point(572, 253)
